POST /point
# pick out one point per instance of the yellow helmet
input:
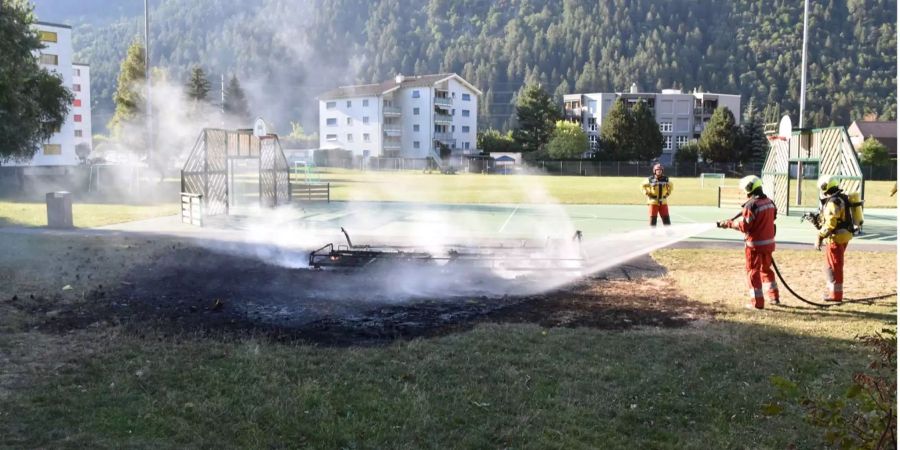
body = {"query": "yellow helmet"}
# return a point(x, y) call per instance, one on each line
point(827, 182)
point(750, 183)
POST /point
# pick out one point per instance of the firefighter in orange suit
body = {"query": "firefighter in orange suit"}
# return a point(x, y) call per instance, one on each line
point(835, 232)
point(758, 225)
point(657, 189)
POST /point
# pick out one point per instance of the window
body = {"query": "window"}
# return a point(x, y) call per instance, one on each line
point(415, 94)
point(667, 142)
point(465, 129)
point(77, 133)
point(453, 128)
point(331, 122)
point(680, 141)
point(331, 137)
point(453, 112)
point(76, 87)
point(366, 137)
point(52, 149)
point(78, 117)
point(49, 59)
point(415, 144)
point(465, 113)
point(415, 111)
point(349, 103)
point(366, 120)
point(330, 105)
point(349, 137)
point(466, 145)
point(365, 102)
point(47, 36)
point(665, 127)
point(349, 121)
point(466, 97)
point(77, 72)
point(416, 127)
point(76, 102)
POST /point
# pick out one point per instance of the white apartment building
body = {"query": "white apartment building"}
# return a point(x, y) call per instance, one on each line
point(408, 117)
point(681, 116)
point(56, 57)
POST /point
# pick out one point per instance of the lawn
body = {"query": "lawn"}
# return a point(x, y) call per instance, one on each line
point(496, 385)
point(84, 215)
point(416, 186)
point(431, 188)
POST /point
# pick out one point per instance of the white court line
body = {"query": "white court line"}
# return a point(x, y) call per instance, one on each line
point(508, 219)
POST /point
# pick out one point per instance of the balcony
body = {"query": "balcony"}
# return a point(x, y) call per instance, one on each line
point(391, 111)
point(444, 119)
point(391, 129)
point(443, 137)
point(573, 112)
point(443, 101)
point(390, 144)
point(703, 111)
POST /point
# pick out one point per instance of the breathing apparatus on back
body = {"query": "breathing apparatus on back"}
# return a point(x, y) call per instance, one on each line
point(829, 191)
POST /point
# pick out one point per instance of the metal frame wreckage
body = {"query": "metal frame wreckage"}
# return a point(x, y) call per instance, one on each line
point(515, 258)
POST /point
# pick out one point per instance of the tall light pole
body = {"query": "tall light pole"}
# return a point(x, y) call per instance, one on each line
point(803, 62)
point(147, 79)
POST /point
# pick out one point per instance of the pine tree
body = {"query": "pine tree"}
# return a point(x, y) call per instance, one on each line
point(616, 133)
point(647, 139)
point(536, 116)
point(236, 102)
point(717, 143)
point(751, 142)
point(33, 102)
point(198, 86)
point(129, 97)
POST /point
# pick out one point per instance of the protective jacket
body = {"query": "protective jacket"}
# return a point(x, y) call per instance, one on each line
point(758, 222)
point(835, 222)
point(657, 189)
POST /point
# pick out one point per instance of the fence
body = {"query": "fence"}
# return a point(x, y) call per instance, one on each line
point(308, 192)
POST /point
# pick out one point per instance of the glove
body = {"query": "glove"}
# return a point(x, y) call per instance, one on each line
point(819, 242)
point(724, 224)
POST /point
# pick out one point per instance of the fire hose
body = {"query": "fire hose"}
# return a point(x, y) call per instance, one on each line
point(867, 300)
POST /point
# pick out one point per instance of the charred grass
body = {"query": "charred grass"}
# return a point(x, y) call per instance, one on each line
point(679, 364)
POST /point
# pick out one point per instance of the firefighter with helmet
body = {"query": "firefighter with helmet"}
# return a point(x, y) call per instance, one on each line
point(835, 231)
point(757, 222)
point(657, 188)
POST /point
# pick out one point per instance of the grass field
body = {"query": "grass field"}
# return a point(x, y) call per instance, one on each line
point(476, 188)
point(432, 188)
point(498, 385)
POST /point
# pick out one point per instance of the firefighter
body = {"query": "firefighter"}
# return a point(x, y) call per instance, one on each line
point(758, 225)
point(835, 231)
point(657, 189)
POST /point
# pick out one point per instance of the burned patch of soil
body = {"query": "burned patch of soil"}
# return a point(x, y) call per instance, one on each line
point(197, 290)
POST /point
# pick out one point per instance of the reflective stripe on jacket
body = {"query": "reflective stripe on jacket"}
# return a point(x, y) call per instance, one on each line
point(657, 189)
point(834, 217)
point(758, 222)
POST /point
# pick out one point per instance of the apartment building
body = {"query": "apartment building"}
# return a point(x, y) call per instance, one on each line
point(681, 116)
point(56, 57)
point(408, 117)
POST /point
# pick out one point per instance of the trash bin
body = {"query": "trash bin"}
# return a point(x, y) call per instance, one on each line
point(59, 209)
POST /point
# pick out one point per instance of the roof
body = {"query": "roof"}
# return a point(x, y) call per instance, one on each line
point(886, 129)
point(50, 24)
point(373, 90)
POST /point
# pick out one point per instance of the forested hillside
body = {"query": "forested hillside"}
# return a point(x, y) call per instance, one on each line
point(286, 51)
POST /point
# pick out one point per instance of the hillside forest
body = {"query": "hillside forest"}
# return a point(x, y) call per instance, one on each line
point(287, 52)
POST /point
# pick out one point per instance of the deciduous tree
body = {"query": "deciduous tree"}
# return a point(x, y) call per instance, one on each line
point(568, 140)
point(33, 102)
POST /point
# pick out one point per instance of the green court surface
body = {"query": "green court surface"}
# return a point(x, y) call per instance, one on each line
point(447, 221)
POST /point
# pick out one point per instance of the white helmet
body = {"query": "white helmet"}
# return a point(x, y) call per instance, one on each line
point(750, 183)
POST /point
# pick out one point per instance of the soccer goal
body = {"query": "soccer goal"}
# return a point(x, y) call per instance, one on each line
point(719, 176)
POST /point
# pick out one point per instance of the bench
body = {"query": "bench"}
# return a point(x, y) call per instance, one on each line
point(730, 197)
